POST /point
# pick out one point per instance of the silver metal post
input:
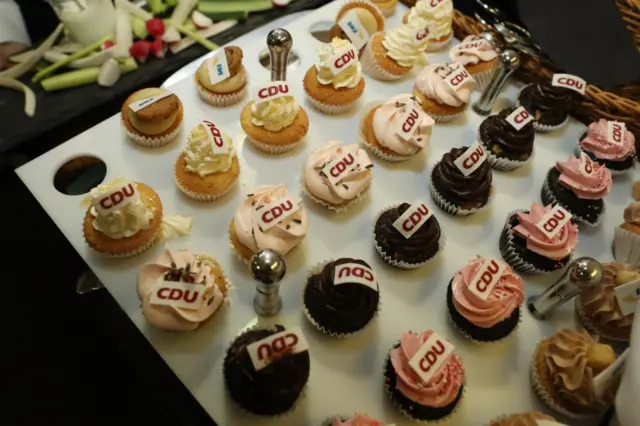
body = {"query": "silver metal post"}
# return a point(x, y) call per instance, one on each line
point(509, 62)
point(268, 268)
point(279, 42)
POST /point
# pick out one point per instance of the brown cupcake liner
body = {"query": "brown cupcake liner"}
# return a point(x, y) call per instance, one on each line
point(317, 268)
point(328, 108)
point(626, 247)
point(334, 208)
point(221, 99)
point(478, 342)
point(151, 141)
point(541, 128)
point(373, 149)
point(201, 196)
point(372, 67)
point(451, 208)
point(548, 197)
point(273, 149)
point(435, 46)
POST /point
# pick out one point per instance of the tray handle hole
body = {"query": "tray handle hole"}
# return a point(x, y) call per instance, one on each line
point(79, 175)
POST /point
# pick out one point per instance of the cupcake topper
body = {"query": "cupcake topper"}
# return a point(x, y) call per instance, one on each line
point(582, 274)
point(268, 268)
point(509, 62)
point(279, 42)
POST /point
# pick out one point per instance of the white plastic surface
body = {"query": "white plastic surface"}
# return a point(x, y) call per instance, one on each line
point(346, 375)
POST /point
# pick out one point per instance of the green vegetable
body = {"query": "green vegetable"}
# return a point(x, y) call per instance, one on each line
point(157, 7)
point(207, 7)
point(188, 24)
point(82, 76)
point(139, 27)
point(197, 37)
point(221, 16)
point(171, 3)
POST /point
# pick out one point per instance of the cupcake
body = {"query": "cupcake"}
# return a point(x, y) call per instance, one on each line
point(508, 138)
point(274, 122)
point(392, 54)
point(439, 15)
point(337, 176)
point(357, 20)
point(335, 84)
point(484, 300)
point(268, 218)
point(397, 129)
point(222, 79)
point(262, 375)
point(478, 56)
point(562, 373)
point(424, 394)
point(579, 186)
point(626, 240)
point(444, 90)
point(123, 218)
point(152, 117)
point(407, 236)
point(598, 307)
point(530, 418)
point(341, 297)
point(208, 167)
point(549, 105)
point(387, 7)
point(356, 420)
point(539, 240)
point(197, 278)
point(616, 151)
point(461, 181)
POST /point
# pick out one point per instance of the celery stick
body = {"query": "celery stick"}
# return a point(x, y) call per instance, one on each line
point(81, 77)
point(139, 27)
point(188, 24)
point(197, 37)
point(221, 16)
point(235, 6)
point(171, 3)
point(157, 6)
point(77, 55)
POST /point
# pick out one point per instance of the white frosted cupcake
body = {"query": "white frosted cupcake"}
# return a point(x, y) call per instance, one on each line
point(444, 90)
point(440, 19)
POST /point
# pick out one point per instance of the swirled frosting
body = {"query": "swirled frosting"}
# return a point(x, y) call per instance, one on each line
point(353, 183)
point(199, 157)
point(400, 46)
point(280, 238)
point(596, 142)
point(504, 299)
point(497, 133)
point(275, 114)
point(523, 419)
point(569, 359)
point(203, 270)
point(594, 186)
point(472, 50)
point(349, 77)
point(385, 120)
point(543, 99)
point(561, 246)
point(631, 213)
point(442, 389)
point(439, 18)
point(121, 222)
point(431, 83)
point(458, 188)
point(357, 420)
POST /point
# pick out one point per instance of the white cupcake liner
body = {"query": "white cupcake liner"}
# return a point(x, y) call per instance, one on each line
point(451, 208)
point(328, 108)
point(548, 197)
point(334, 208)
point(479, 342)
point(626, 247)
point(221, 99)
point(503, 164)
point(399, 264)
point(151, 141)
point(373, 149)
point(273, 149)
point(483, 78)
point(372, 68)
point(444, 118)
point(538, 127)
point(435, 46)
point(361, 2)
point(316, 269)
point(387, 12)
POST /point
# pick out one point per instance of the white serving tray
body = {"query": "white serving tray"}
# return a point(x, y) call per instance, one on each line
point(346, 375)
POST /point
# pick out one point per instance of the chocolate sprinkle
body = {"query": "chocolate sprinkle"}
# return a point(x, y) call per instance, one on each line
point(344, 185)
point(298, 221)
point(369, 166)
point(249, 195)
point(288, 226)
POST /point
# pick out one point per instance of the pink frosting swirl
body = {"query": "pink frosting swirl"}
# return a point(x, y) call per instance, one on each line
point(564, 242)
point(505, 297)
point(431, 83)
point(353, 183)
point(444, 386)
point(386, 119)
point(596, 142)
point(357, 420)
point(593, 186)
point(472, 50)
point(280, 238)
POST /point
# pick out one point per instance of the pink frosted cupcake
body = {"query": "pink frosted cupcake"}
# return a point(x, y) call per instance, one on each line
point(331, 185)
point(356, 420)
point(478, 56)
point(611, 144)
point(444, 90)
point(485, 312)
point(424, 394)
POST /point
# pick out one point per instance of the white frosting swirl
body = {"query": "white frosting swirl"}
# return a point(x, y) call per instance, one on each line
point(439, 18)
point(349, 77)
point(199, 157)
point(276, 114)
point(400, 45)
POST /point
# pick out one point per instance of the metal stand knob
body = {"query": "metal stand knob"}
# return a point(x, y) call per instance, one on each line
point(279, 42)
point(268, 268)
point(509, 62)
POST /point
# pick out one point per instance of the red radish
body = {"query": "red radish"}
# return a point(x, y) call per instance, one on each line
point(107, 44)
point(158, 49)
point(155, 27)
point(140, 50)
point(281, 3)
point(171, 35)
point(200, 20)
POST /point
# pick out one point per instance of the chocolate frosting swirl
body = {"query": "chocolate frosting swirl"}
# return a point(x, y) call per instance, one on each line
point(458, 188)
point(234, 58)
point(495, 130)
point(343, 308)
point(272, 390)
point(421, 246)
point(547, 103)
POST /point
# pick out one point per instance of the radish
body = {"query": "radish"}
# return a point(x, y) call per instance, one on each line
point(155, 27)
point(158, 49)
point(200, 20)
point(109, 73)
point(281, 3)
point(140, 50)
point(171, 35)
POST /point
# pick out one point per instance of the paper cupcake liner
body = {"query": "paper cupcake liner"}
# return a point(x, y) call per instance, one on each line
point(444, 118)
point(544, 396)
point(337, 209)
point(400, 264)
point(273, 149)
point(222, 99)
point(538, 127)
point(371, 66)
point(387, 12)
point(316, 269)
point(373, 149)
point(503, 164)
point(482, 79)
point(301, 396)
point(328, 108)
point(435, 46)
point(548, 197)
point(151, 141)
point(486, 342)
point(236, 251)
point(451, 208)
point(365, 3)
point(626, 247)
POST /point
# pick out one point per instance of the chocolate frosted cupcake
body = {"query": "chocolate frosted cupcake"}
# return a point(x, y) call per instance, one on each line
point(341, 297)
point(264, 377)
point(529, 418)
point(549, 105)
point(461, 181)
point(407, 236)
point(508, 138)
point(579, 185)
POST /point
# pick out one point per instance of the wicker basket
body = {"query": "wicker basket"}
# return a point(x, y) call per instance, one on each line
point(621, 104)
